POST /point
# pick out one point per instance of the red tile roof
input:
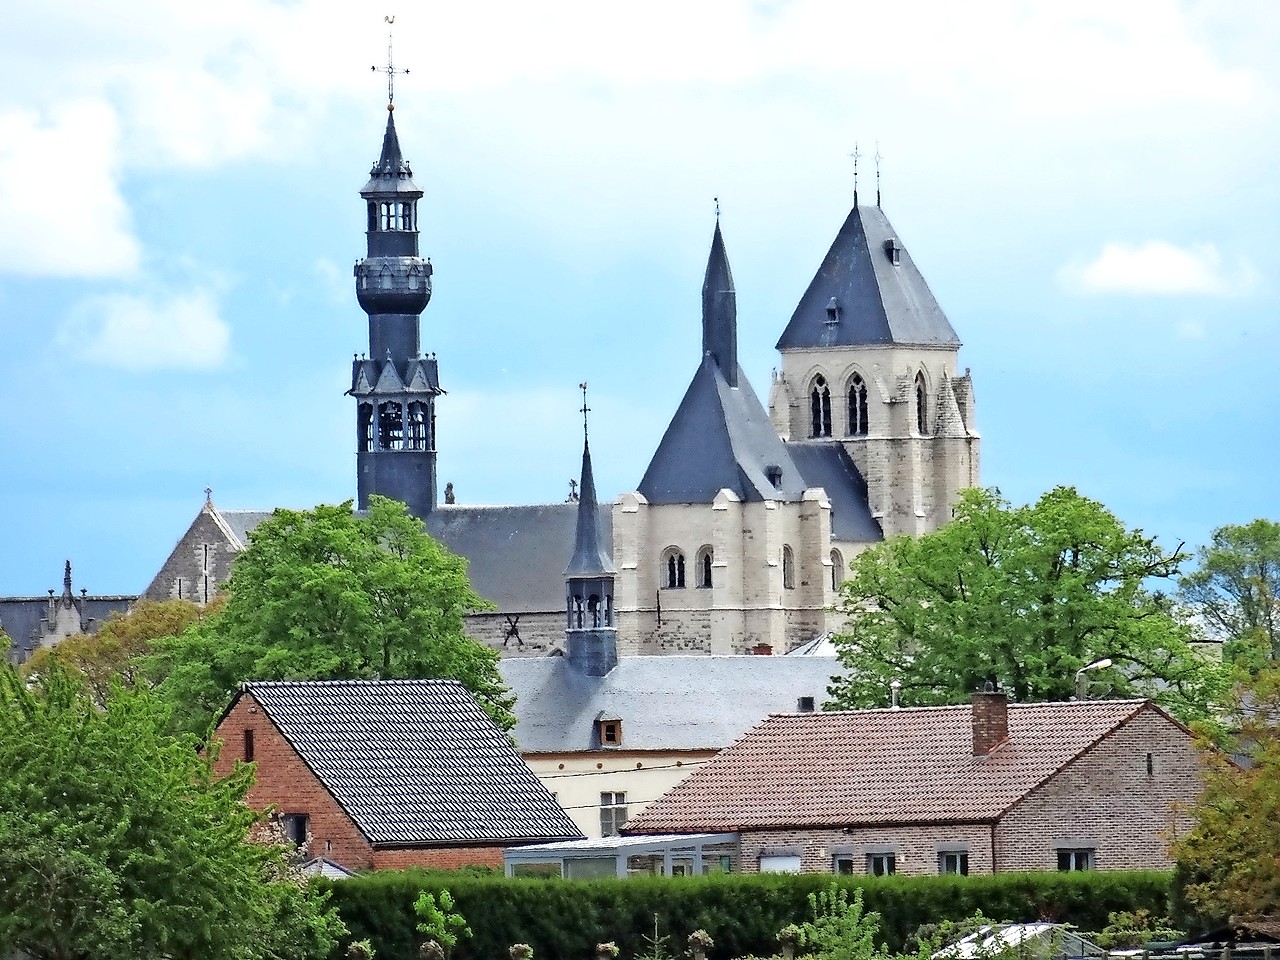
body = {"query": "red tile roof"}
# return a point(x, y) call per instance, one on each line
point(881, 766)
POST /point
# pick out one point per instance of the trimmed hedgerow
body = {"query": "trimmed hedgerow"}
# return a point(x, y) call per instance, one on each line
point(741, 912)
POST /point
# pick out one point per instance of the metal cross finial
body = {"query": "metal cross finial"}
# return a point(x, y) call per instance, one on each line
point(585, 409)
point(856, 154)
point(717, 202)
point(208, 494)
point(390, 69)
point(878, 159)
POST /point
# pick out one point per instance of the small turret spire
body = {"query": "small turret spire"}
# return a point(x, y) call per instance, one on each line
point(66, 580)
point(720, 311)
point(589, 557)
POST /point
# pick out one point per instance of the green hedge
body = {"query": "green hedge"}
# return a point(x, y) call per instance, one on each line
point(563, 920)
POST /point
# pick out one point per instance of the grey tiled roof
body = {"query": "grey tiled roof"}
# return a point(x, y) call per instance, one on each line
point(20, 618)
point(664, 702)
point(242, 522)
point(879, 302)
point(825, 464)
point(721, 437)
point(516, 555)
point(414, 761)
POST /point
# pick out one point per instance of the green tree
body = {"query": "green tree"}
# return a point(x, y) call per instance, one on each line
point(1235, 588)
point(117, 839)
point(118, 649)
point(328, 594)
point(1228, 865)
point(1024, 597)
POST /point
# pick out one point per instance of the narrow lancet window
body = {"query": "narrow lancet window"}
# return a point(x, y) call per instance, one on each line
point(857, 406)
point(922, 406)
point(820, 408)
point(675, 570)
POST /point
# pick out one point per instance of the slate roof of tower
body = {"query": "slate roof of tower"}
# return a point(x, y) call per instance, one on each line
point(882, 766)
point(413, 761)
point(391, 172)
point(720, 437)
point(590, 558)
point(826, 464)
point(880, 303)
point(514, 553)
point(558, 705)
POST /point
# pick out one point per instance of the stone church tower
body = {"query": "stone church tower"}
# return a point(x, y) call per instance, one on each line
point(869, 359)
point(395, 386)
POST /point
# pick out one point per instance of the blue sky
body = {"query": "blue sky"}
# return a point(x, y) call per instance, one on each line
point(1089, 188)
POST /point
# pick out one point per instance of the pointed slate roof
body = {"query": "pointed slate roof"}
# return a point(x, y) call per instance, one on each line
point(391, 174)
point(720, 311)
point(721, 437)
point(589, 556)
point(913, 765)
point(878, 301)
point(413, 761)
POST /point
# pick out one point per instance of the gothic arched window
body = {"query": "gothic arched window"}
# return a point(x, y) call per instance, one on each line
point(788, 569)
point(390, 426)
point(364, 427)
point(673, 569)
point(705, 559)
point(837, 569)
point(418, 439)
point(857, 406)
point(922, 405)
point(820, 408)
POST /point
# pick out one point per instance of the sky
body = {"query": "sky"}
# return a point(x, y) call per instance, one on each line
point(1089, 188)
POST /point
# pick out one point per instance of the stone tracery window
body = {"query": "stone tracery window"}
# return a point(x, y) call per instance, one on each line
point(705, 559)
point(857, 406)
point(788, 569)
point(820, 408)
point(673, 569)
point(837, 569)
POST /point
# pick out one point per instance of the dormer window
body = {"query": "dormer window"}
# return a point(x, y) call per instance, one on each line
point(833, 311)
point(893, 250)
point(610, 732)
point(773, 473)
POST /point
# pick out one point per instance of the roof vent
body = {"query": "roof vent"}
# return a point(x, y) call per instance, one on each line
point(773, 473)
point(894, 251)
point(804, 705)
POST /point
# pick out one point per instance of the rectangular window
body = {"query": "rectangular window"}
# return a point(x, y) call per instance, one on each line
point(779, 863)
point(843, 865)
point(1075, 858)
point(613, 812)
point(882, 864)
point(953, 861)
point(248, 745)
point(296, 827)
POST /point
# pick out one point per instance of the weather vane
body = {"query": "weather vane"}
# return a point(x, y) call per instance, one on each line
point(390, 69)
point(856, 154)
point(585, 409)
point(878, 159)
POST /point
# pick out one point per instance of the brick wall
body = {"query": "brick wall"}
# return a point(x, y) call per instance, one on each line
point(916, 848)
point(1109, 802)
point(285, 782)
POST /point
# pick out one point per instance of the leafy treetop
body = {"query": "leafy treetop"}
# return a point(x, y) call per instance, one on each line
point(1022, 596)
point(328, 594)
point(1236, 588)
point(117, 839)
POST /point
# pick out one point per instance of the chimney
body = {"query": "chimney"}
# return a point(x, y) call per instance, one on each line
point(762, 649)
point(990, 720)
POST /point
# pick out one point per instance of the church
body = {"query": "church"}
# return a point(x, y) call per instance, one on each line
point(737, 536)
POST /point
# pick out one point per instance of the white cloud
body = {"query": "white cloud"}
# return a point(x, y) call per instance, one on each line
point(181, 331)
point(1161, 268)
point(61, 212)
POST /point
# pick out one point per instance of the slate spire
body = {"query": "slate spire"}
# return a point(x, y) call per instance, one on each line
point(720, 311)
point(590, 559)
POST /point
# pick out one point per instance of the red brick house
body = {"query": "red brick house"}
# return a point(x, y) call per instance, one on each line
point(967, 789)
point(390, 773)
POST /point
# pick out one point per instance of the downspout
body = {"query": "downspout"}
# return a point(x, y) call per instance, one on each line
point(994, 866)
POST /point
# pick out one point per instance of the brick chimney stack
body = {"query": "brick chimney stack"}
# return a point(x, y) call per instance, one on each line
point(990, 721)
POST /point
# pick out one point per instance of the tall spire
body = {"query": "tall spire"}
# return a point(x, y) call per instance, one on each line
point(590, 559)
point(720, 310)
